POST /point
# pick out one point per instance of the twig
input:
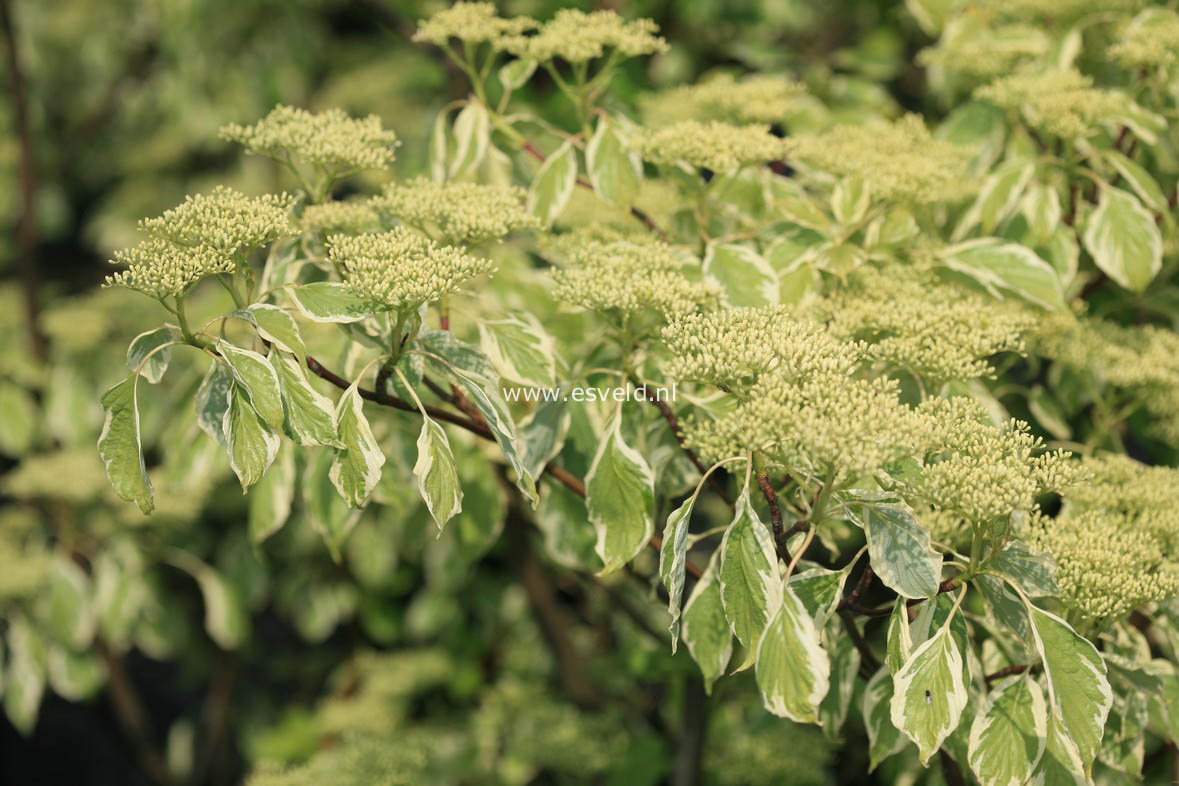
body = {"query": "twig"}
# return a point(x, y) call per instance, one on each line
point(673, 423)
point(869, 663)
point(948, 585)
point(852, 600)
point(1019, 668)
point(767, 490)
point(951, 770)
point(693, 730)
point(131, 715)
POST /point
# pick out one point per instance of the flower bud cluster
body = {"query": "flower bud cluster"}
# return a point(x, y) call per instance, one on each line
point(1150, 40)
point(457, 213)
point(339, 217)
point(1062, 103)
point(226, 220)
point(471, 23)
point(331, 139)
point(754, 99)
point(576, 37)
point(720, 147)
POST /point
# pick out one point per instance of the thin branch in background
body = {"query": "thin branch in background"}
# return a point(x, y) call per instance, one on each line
point(1008, 671)
point(950, 769)
point(693, 731)
point(27, 220)
point(673, 423)
point(869, 663)
point(131, 715)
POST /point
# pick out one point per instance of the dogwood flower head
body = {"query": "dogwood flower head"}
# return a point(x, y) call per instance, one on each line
point(473, 23)
point(733, 347)
point(339, 217)
point(225, 220)
point(603, 270)
point(331, 140)
point(457, 213)
point(403, 268)
point(754, 99)
point(1063, 103)
point(1150, 40)
point(713, 145)
point(899, 160)
point(576, 36)
point(160, 268)
point(982, 50)
point(913, 321)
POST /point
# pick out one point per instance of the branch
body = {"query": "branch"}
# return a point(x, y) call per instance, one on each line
point(669, 416)
point(948, 585)
point(951, 770)
point(1019, 668)
point(780, 538)
point(693, 730)
point(868, 659)
point(131, 716)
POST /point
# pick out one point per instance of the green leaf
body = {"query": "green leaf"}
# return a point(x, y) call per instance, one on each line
point(469, 369)
point(472, 130)
point(143, 344)
point(516, 72)
point(614, 171)
point(884, 739)
point(276, 326)
point(543, 434)
point(1060, 765)
point(553, 184)
point(792, 668)
point(899, 637)
point(1041, 207)
point(330, 301)
point(330, 516)
point(706, 629)
point(1034, 572)
point(1006, 607)
point(845, 667)
point(119, 445)
point(251, 443)
point(1007, 738)
point(356, 468)
point(1123, 239)
point(251, 371)
point(899, 550)
point(997, 198)
point(226, 620)
point(1007, 267)
point(18, 419)
point(929, 695)
point(520, 350)
point(820, 590)
point(1140, 181)
point(310, 415)
point(66, 606)
point(436, 473)
point(747, 277)
point(24, 680)
point(439, 145)
point(673, 561)
point(270, 503)
point(751, 588)
point(569, 538)
point(75, 676)
point(620, 497)
point(1078, 690)
point(850, 200)
point(212, 402)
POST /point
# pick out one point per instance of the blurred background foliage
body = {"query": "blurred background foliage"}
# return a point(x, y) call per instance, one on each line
point(110, 112)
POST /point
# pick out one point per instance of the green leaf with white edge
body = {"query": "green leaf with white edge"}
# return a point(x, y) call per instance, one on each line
point(212, 402)
point(850, 200)
point(19, 415)
point(997, 198)
point(1060, 764)
point(251, 371)
point(141, 347)
point(520, 350)
point(747, 278)
point(310, 415)
point(467, 367)
point(1078, 689)
point(1006, 607)
point(276, 326)
point(1140, 181)
point(251, 444)
point(226, 620)
point(1008, 737)
point(543, 433)
point(330, 516)
point(331, 301)
point(553, 184)
point(1042, 209)
point(120, 448)
point(705, 628)
point(66, 604)
point(1033, 571)
point(673, 558)
point(436, 473)
point(615, 172)
point(269, 506)
point(899, 550)
point(792, 668)
point(516, 72)
point(751, 587)
point(439, 145)
point(884, 739)
point(75, 676)
point(568, 537)
point(620, 497)
point(1001, 267)
point(820, 590)
point(1123, 239)
point(899, 641)
point(929, 694)
point(472, 130)
point(356, 468)
point(24, 679)
point(806, 211)
point(845, 667)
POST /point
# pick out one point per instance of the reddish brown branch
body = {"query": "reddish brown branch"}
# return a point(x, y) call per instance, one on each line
point(1019, 668)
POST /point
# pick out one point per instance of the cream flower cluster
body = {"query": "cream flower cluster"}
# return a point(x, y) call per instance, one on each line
point(754, 99)
point(1063, 103)
point(935, 330)
point(331, 140)
point(339, 217)
point(1150, 40)
point(403, 268)
point(899, 160)
point(576, 36)
point(473, 23)
point(161, 268)
point(982, 51)
point(721, 147)
point(226, 220)
point(605, 271)
point(457, 213)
